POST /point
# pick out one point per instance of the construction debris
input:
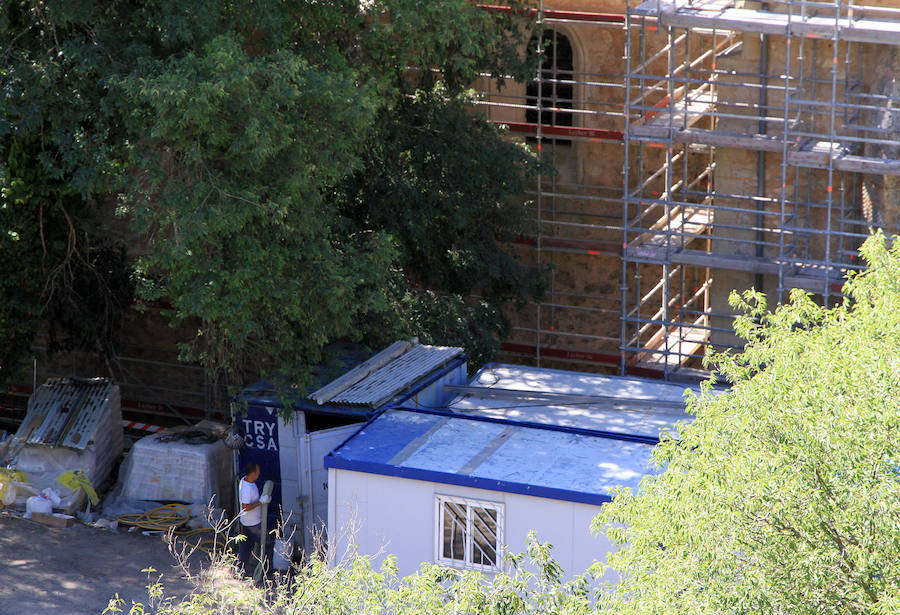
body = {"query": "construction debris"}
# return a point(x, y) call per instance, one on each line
point(53, 519)
point(70, 440)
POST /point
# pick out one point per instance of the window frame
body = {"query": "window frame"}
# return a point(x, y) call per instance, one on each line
point(558, 111)
point(468, 550)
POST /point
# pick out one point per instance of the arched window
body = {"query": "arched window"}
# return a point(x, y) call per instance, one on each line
point(555, 87)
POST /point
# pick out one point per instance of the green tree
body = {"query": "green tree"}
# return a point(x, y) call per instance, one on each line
point(438, 179)
point(227, 133)
point(783, 495)
point(238, 150)
point(57, 171)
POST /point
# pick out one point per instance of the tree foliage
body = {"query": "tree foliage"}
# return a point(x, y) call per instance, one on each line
point(63, 265)
point(783, 496)
point(231, 195)
point(288, 178)
point(430, 154)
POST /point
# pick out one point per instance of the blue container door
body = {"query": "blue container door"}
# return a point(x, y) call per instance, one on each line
point(260, 426)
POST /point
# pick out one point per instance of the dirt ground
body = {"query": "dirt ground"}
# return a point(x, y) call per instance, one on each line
point(77, 570)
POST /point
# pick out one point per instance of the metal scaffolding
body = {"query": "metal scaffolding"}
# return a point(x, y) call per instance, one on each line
point(706, 106)
point(753, 140)
point(568, 114)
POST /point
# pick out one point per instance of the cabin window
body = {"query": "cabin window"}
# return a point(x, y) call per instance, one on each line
point(469, 533)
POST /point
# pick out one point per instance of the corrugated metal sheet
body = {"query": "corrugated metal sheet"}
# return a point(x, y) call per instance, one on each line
point(390, 378)
point(352, 376)
point(65, 412)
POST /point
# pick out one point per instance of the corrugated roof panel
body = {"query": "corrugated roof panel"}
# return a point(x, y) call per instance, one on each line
point(329, 391)
point(93, 407)
point(65, 412)
point(401, 373)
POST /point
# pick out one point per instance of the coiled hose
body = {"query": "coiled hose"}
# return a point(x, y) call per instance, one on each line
point(169, 517)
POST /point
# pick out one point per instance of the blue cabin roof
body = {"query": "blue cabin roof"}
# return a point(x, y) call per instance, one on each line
point(542, 460)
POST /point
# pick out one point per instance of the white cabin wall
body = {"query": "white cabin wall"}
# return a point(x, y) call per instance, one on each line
point(390, 515)
point(289, 435)
point(304, 480)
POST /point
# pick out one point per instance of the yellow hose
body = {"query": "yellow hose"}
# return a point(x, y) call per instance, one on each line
point(164, 518)
point(160, 518)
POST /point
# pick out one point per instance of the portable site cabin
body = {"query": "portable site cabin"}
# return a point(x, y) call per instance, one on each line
point(520, 449)
point(291, 452)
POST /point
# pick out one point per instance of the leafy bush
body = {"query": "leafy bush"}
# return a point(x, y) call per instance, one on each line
point(783, 496)
point(532, 585)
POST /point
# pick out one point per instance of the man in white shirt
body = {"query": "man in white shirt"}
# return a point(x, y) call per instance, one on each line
point(251, 515)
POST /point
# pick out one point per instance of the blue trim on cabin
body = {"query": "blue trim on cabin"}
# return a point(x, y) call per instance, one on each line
point(464, 480)
point(597, 433)
point(446, 368)
point(334, 460)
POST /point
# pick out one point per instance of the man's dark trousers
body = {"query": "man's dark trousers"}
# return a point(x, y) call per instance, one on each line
point(246, 548)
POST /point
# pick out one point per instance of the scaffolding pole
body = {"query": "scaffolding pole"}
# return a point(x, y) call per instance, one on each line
point(694, 212)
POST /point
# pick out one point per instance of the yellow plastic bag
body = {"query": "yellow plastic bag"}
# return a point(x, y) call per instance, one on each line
point(7, 489)
point(77, 479)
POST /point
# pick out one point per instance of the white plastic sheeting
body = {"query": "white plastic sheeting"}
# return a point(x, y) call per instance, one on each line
point(177, 471)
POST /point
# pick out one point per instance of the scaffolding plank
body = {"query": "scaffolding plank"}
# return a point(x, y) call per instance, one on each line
point(570, 244)
point(573, 354)
point(718, 260)
point(864, 164)
point(864, 30)
point(812, 277)
point(754, 142)
point(796, 275)
point(683, 116)
point(648, 254)
point(555, 15)
point(725, 19)
point(681, 225)
point(816, 154)
point(675, 348)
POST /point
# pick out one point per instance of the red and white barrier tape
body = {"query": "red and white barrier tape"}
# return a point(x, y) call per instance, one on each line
point(141, 426)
